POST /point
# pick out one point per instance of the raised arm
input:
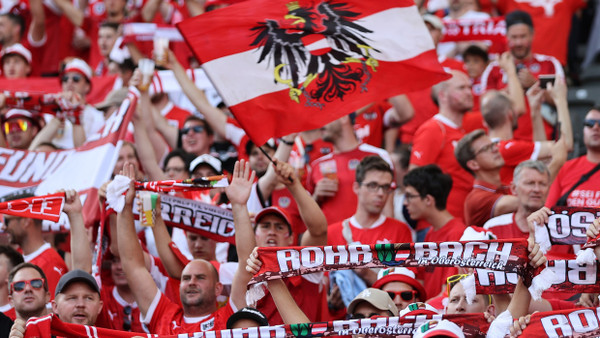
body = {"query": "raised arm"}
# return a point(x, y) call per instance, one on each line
point(81, 252)
point(162, 240)
point(130, 250)
point(268, 182)
point(74, 14)
point(37, 27)
point(403, 111)
point(558, 91)
point(238, 193)
point(534, 96)
point(515, 90)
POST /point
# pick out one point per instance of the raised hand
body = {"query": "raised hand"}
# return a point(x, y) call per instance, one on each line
point(72, 202)
point(129, 171)
point(240, 187)
point(253, 263)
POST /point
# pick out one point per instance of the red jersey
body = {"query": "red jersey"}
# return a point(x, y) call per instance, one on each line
point(303, 154)
point(51, 263)
point(385, 230)
point(9, 311)
point(434, 144)
point(481, 201)
point(505, 227)
point(175, 115)
point(166, 318)
point(369, 124)
point(114, 309)
point(587, 194)
point(341, 167)
point(515, 152)
point(284, 199)
point(551, 20)
point(434, 278)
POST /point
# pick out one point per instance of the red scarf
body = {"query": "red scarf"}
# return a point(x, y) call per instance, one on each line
point(48, 207)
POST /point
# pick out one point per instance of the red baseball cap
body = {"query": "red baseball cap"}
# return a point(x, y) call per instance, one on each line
point(274, 210)
point(403, 275)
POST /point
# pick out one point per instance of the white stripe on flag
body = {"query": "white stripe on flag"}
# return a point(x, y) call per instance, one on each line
point(398, 33)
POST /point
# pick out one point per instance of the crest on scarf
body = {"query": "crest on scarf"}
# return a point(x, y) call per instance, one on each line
point(317, 51)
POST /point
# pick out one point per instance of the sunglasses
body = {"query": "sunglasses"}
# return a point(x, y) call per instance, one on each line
point(196, 129)
point(591, 123)
point(21, 124)
point(74, 78)
point(127, 318)
point(19, 286)
point(407, 295)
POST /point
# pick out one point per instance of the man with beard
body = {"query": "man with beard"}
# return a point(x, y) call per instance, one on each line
point(28, 291)
point(434, 141)
point(332, 175)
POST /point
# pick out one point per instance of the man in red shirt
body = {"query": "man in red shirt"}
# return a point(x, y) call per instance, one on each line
point(332, 175)
point(479, 155)
point(427, 191)
point(9, 258)
point(200, 284)
point(27, 232)
point(435, 140)
point(28, 291)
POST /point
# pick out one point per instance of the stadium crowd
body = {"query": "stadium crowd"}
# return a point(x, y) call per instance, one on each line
point(480, 156)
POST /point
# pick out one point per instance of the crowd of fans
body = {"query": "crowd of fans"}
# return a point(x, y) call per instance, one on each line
point(475, 157)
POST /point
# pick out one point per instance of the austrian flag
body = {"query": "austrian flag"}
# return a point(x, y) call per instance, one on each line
point(288, 66)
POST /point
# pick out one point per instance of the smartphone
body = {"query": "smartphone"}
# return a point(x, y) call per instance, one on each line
point(545, 79)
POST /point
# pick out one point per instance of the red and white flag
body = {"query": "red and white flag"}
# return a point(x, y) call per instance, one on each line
point(288, 66)
point(39, 207)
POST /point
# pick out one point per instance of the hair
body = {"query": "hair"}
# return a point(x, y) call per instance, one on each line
point(476, 51)
point(518, 17)
point(14, 257)
point(430, 180)
point(127, 65)
point(186, 157)
point(13, 272)
point(251, 144)
point(403, 153)
point(18, 20)
point(464, 151)
point(207, 127)
point(371, 163)
point(112, 25)
point(495, 109)
point(536, 165)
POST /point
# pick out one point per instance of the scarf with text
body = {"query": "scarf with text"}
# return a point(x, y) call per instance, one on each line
point(190, 184)
point(48, 207)
point(577, 323)
point(473, 325)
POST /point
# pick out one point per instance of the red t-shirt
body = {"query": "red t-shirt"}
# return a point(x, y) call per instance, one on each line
point(481, 201)
point(303, 154)
point(551, 20)
point(284, 199)
point(434, 278)
point(385, 230)
point(369, 125)
point(9, 311)
point(114, 310)
point(165, 317)
point(51, 263)
point(587, 194)
point(434, 144)
point(505, 227)
point(341, 166)
point(515, 152)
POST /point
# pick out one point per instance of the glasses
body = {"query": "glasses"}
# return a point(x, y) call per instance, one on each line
point(374, 187)
point(486, 148)
point(408, 196)
point(196, 129)
point(19, 286)
point(406, 295)
point(591, 123)
point(452, 280)
point(127, 318)
point(20, 124)
point(361, 316)
point(74, 78)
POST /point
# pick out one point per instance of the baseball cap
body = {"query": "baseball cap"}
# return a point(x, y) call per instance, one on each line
point(79, 66)
point(418, 308)
point(375, 297)
point(21, 113)
point(212, 161)
point(399, 274)
point(434, 21)
point(274, 210)
point(17, 49)
point(114, 98)
point(76, 276)
point(443, 328)
point(248, 313)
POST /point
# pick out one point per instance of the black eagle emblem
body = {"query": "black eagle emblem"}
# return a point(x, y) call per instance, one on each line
point(325, 72)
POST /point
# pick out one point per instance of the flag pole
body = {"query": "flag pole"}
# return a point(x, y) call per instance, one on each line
point(271, 160)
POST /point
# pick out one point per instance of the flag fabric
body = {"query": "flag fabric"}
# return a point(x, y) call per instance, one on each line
point(46, 207)
point(288, 66)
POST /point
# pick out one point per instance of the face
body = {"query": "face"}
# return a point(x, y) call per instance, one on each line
point(398, 287)
point(457, 96)
point(75, 82)
point(457, 302)
point(7, 30)
point(15, 227)
point(175, 169)
point(195, 142)
point(106, 40)
point(30, 302)
point(520, 37)
point(272, 231)
point(369, 200)
point(115, 6)
point(591, 135)
point(203, 170)
point(475, 66)
point(415, 204)
point(198, 287)
point(531, 189)
point(78, 304)
point(487, 155)
point(117, 273)
point(21, 132)
point(126, 154)
point(332, 131)
point(15, 67)
point(200, 246)
point(258, 161)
